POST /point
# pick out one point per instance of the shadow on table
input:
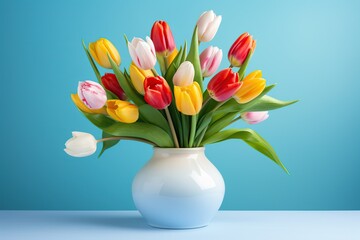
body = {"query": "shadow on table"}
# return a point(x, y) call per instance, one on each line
point(112, 220)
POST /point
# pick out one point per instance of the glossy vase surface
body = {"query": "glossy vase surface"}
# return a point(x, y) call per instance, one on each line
point(178, 188)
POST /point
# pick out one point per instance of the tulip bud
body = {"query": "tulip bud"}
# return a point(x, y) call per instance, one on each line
point(252, 85)
point(111, 83)
point(138, 76)
point(157, 92)
point(162, 38)
point(208, 25)
point(80, 145)
point(92, 94)
point(210, 60)
point(100, 50)
point(254, 117)
point(188, 99)
point(122, 111)
point(223, 85)
point(142, 53)
point(240, 49)
point(84, 108)
point(184, 75)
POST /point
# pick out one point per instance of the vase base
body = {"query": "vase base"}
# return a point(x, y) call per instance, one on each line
point(176, 227)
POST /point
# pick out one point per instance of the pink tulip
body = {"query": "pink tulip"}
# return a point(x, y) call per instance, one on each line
point(92, 94)
point(210, 60)
point(255, 117)
point(142, 53)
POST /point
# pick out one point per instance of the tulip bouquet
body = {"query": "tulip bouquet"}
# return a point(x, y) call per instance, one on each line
point(173, 109)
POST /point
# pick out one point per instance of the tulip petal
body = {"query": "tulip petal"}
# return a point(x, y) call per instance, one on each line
point(113, 52)
point(211, 30)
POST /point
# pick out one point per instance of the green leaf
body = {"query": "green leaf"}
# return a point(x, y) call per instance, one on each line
point(193, 57)
point(124, 83)
point(93, 65)
point(107, 144)
point(267, 103)
point(154, 116)
point(243, 67)
point(219, 124)
point(173, 67)
point(250, 137)
point(233, 106)
point(144, 131)
point(203, 123)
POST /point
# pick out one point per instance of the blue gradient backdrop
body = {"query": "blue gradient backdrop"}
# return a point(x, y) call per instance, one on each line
point(310, 48)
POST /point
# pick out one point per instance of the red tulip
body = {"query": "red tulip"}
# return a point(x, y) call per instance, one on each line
point(157, 92)
point(111, 83)
point(224, 85)
point(240, 49)
point(162, 38)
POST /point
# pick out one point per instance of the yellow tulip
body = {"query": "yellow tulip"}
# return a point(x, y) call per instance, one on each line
point(188, 99)
point(138, 76)
point(252, 86)
point(84, 108)
point(99, 51)
point(171, 56)
point(122, 111)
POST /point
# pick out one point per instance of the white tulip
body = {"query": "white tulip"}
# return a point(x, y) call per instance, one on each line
point(184, 76)
point(142, 53)
point(208, 25)
point(80, 145)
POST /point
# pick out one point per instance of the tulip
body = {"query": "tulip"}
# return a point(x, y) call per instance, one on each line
point(210, 60)
point(111, 83)
point(240, 49)
point(188, 99)
point(92, 94)
point(80, 145)
point(171, 56)
point(157, 92)
point(162, 38)
point(142, 53)
point(254, 117)
point(223, 85)
point(122, 111)
point(84, 108)
point(100, 51)
point(138, 76)
point(184, 76)
point(208, 25)
point(253, 85)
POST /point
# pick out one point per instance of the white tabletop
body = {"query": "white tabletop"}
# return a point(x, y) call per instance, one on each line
point(103, 225)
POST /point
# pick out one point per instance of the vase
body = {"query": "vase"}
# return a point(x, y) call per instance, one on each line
point(178, 188)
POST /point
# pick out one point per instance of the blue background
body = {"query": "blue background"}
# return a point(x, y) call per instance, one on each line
point(311, 49)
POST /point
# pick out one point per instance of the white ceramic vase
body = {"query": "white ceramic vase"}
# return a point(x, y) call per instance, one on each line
point(178, 188)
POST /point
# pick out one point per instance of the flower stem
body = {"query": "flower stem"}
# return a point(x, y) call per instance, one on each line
point(234, 120)
point(125, 138)
point(193, 130)
point(154, 72)
point(171, 125)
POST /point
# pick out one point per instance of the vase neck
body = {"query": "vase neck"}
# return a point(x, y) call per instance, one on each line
point(179, 151)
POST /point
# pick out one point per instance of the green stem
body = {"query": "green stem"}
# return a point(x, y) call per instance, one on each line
point(173, 132)
point(204, 131)
point(166, 65)
point(234, 120)
point(193, 130)
point(154, 72)
point(125, 138)
point(185, 132)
